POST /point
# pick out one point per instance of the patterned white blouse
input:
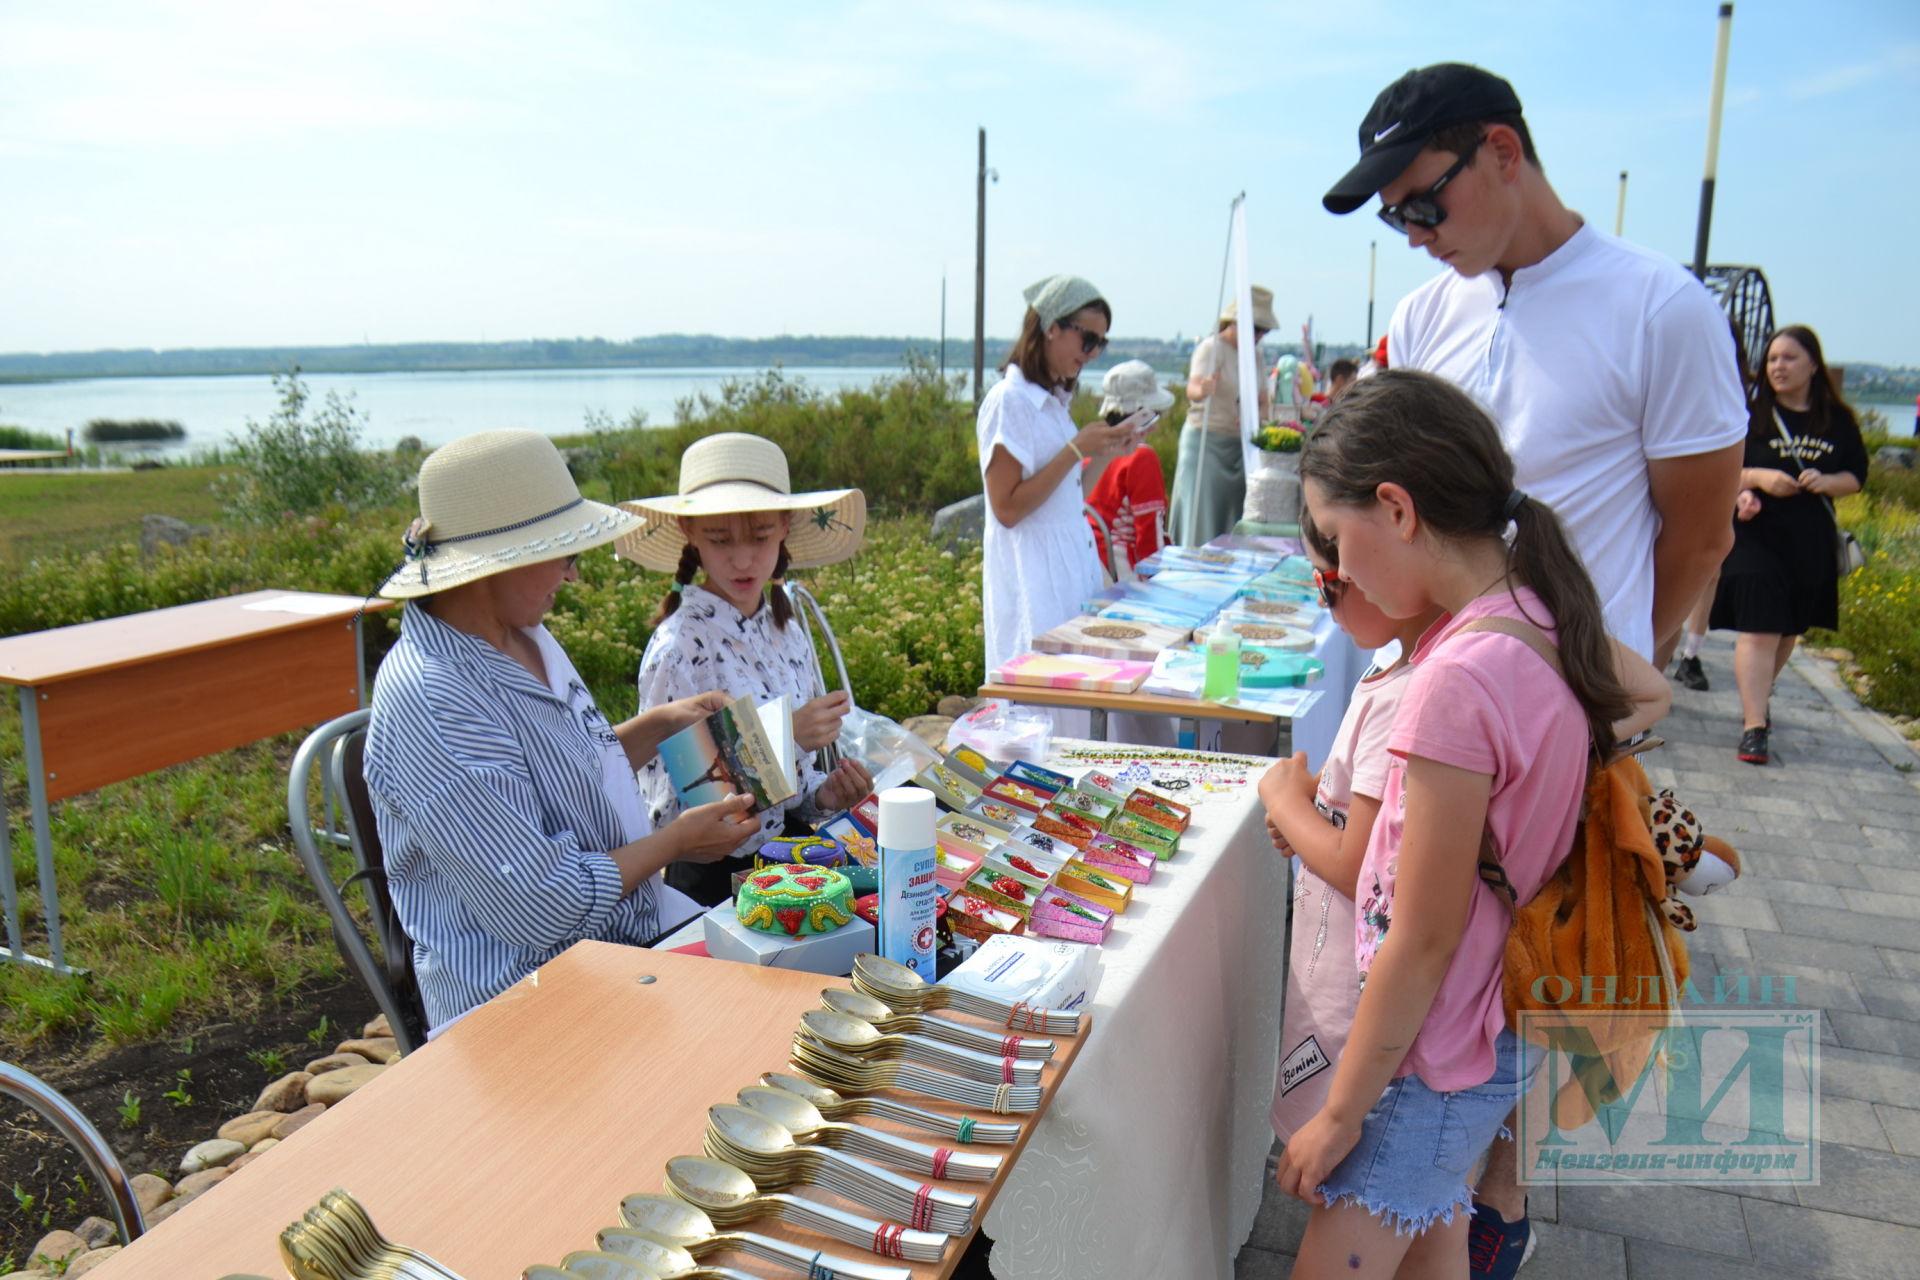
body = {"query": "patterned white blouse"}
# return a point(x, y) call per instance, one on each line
point(707, 644)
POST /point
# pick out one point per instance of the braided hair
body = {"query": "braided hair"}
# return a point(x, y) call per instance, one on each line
point(690, 565)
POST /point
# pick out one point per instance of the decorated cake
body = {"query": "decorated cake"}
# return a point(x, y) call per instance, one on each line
point(794, 900)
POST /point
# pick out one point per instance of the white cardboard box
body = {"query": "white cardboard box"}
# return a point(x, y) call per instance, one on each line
point(828, 953)
point(1041, 971)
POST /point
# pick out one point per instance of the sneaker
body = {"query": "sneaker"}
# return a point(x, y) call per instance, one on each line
point(1496, 1247)
point(1690, 674)
point(1753, 746)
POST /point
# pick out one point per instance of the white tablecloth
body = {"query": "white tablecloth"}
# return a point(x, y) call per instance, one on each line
point(1151, 1160)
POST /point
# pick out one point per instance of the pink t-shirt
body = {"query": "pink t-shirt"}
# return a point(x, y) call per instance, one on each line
point(1322, 986)
point(1484, 702)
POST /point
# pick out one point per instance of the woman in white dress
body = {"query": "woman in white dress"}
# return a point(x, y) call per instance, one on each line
point(1037, 468)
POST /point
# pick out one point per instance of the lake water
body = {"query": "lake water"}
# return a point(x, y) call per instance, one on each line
point(436, 407)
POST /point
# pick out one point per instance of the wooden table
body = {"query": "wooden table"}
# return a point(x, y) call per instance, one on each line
point(512, 1138)
point(1187, 711)
point(110, 700)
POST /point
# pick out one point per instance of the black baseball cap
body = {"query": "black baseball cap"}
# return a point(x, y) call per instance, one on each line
point(1406, 114)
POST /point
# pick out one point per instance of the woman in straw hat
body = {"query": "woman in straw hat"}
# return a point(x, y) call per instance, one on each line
point(737, 526)
point(506, 803)
point(1037, 468)
point(1210, 478)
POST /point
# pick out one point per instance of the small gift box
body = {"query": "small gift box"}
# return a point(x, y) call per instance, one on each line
point(1005, 889)
point(1111, 892)
point(1034, 775)
point(1134, 829)
point(1121, 858)
point(966, 757)
point(1096, 809)
point(1030, 861)
point(952, 867)
point(867, 814)
point(1024, 796)
point(995, 810)
point(949, 787)
point(1071, 827)
point(1157, 808)
point(854, 840)
point(1060, 914)
point(1104, 785)
point(974, 917)
point(1052, 846)
point(968, 832)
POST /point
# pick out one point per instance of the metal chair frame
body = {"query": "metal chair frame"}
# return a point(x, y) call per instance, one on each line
point(77, 1129)
point(334, 749)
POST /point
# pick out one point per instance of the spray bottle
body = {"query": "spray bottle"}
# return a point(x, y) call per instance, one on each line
point(907, 888)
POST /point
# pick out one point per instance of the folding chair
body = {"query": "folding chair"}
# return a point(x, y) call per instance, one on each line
point(335, 750)
point(74, 1126)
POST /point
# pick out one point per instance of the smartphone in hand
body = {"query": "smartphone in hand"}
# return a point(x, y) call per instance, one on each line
point(1143, 423)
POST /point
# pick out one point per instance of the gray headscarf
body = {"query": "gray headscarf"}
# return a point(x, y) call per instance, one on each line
point(1058, 297)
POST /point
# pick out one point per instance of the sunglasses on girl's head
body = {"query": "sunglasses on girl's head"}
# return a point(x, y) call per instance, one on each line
point(1091, 343)
point(1424, 209)
point(1327, 582)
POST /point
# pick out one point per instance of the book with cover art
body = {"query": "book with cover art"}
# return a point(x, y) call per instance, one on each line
point(740, 749)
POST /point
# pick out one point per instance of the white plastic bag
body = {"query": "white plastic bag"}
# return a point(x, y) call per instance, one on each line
point(1005, 731)
point(891, 753)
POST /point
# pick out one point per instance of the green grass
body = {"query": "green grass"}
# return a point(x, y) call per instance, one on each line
point(44, 512)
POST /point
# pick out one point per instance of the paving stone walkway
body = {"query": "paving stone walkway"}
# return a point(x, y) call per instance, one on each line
point(1830, 837)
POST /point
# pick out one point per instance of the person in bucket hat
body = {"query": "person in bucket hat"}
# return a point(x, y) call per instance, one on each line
point(729, 536)
point(505, 801)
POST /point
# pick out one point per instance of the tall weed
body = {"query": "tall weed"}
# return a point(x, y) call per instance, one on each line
point(299, 464)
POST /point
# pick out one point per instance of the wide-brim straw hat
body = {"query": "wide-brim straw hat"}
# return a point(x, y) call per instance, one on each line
point(494, 501)
point(732, 473)
point(1262, 309)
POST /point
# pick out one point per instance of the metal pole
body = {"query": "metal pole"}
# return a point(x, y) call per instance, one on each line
point(1373, 258)
point(1620, 209)
point(1713, 141)
point(980, 276)
point(943, 329)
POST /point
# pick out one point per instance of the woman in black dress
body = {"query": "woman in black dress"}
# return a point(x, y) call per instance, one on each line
point(1803, 451)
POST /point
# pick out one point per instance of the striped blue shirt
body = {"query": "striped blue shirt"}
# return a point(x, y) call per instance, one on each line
point(493, 814)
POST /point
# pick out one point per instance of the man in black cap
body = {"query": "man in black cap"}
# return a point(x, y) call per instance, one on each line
point(1606, 366)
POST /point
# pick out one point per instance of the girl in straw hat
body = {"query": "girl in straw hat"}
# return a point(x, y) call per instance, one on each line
point(737, 527)
point(505, 801)
point(1037, 468)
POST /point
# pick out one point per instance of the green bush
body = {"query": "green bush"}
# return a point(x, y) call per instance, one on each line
point(21, 438)
point(112, 431)
point(294, 464)
point(906, 441)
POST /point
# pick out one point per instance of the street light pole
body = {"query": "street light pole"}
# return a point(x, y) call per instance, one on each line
point(980, 275)
point(1713, 141)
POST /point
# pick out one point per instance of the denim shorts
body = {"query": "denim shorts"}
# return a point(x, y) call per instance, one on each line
point(1418, 1148)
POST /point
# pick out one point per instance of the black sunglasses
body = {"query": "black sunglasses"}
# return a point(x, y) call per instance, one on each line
point(1091, 343)
point(1424, 209)
point(1328, 583)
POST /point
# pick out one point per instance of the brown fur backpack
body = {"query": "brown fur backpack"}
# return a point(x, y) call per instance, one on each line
point(1603, 934)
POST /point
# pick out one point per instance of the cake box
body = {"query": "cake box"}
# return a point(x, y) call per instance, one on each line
point(828, 953)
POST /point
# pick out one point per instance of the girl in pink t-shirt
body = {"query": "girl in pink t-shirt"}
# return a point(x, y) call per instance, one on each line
point(1406, 478)
point(1325, 822)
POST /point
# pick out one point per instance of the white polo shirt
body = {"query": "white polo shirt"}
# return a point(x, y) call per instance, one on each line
point(1600, 358)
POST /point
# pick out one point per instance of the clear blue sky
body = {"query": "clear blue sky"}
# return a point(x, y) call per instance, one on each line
point(223, 174)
